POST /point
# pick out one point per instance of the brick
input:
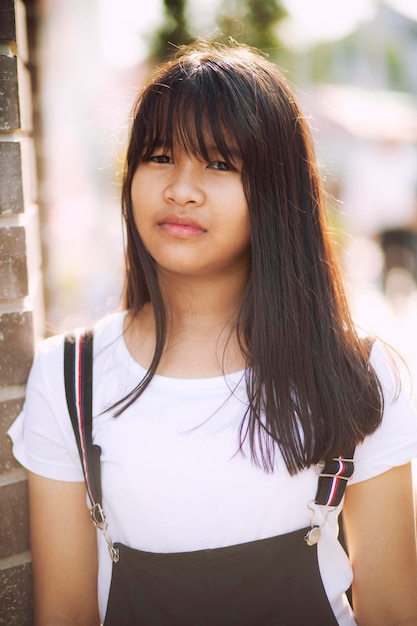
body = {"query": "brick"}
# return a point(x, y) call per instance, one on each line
point(12, 240)
point(7, 21)
point(13, 266)
point(13, 277)
point(9, 410)
point(11, 187)
point(16, 603)
point(9, 94)
point(16, 347)
point(14, 519)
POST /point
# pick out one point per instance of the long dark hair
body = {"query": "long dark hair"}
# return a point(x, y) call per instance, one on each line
point(310, 387)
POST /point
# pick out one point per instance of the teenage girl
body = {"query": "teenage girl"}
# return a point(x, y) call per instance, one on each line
point(232, 374)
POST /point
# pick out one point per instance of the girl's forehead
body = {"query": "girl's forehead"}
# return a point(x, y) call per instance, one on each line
point(193, 134)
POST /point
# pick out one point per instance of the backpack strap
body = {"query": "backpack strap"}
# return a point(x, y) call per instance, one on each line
point(78, 375)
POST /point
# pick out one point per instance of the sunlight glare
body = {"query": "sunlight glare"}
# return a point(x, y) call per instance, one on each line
point(125, 29)
point(310, 22)
point(408, 7)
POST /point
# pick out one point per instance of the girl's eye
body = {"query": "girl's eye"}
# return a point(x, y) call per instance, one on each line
point(160, 158)
point(222, 166)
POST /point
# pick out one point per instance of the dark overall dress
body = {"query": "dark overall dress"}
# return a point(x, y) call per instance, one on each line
point(268, 582)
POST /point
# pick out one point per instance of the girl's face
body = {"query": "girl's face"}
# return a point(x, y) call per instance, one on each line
point(191, 213)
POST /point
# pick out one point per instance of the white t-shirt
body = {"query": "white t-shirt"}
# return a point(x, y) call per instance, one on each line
point(172, 477)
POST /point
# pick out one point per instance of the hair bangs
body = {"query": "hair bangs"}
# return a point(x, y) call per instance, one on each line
point(184, 116)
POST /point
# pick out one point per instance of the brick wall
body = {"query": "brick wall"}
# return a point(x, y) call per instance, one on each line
point(21, 309)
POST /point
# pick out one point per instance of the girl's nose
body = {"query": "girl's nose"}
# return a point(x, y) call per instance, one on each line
point(184, 186)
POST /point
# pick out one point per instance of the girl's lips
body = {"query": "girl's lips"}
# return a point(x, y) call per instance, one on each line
point(181, 226)
point(181, 230)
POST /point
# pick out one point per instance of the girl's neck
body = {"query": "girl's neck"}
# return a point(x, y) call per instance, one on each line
point(196, 303)
point(201, 329)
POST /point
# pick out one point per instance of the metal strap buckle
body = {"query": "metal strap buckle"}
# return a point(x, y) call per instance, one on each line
point(341, 477)
point(321, 465)
point(100, 522)
point(97, 515)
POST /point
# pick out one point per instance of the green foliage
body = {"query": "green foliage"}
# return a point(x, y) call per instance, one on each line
point(395, 67)
point(252, 22)
point(247, 21)
point(174, 32)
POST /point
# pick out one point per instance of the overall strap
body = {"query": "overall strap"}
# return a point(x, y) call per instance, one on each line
point(78, 375)
point(333, 479)
point(78, 370)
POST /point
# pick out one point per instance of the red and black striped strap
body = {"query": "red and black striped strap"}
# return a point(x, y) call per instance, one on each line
point(78, 374)
point(78, 371)
point(332, 481)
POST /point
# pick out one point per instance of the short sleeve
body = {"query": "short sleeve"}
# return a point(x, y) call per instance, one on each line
point(42, 435)
point(394, 443)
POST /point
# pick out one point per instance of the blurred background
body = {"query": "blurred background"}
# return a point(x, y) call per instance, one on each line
point(352, 66)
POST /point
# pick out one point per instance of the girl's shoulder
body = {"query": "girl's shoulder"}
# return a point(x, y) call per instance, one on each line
point(110, 327)
point(386, 365)
point(395, 441)
point(42, 434)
